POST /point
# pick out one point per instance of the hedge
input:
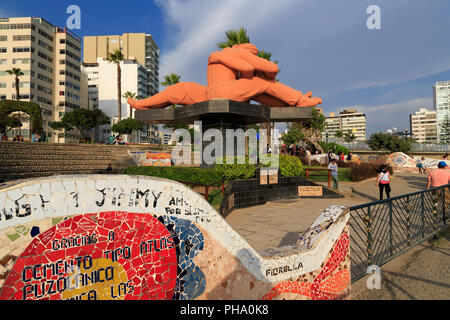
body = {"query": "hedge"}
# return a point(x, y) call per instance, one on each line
point(289, 166)
point(212, 177)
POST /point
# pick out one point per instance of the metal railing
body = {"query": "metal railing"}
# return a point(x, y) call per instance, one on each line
point(383, 230)
point(328, 175)
point(415, 147)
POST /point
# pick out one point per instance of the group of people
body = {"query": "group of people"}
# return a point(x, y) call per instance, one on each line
point(116, 140)
point(17, 138)
point(294, 150)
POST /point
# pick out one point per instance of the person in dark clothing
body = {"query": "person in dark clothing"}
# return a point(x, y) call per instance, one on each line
point(109, 169)
point(384, 182)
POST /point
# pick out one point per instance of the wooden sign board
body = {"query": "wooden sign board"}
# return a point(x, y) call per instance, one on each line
point(268, 176)
point(310, 191)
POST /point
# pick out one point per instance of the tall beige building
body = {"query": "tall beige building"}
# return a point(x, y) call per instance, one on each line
point(424, 126)
point(135, 46)
point(50, 58)
point(349, 120)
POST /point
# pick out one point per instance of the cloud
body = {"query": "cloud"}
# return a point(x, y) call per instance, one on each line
point(197, 26)
point(322, 45)
point(386, 116)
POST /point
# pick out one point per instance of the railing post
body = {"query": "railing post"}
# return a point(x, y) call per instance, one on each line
point(368, 219)
point(307, 175)
point(329, 179)
point(423, 214)
point(435, 209)
point(391, 245)
point(444, 211)
point(408, 221)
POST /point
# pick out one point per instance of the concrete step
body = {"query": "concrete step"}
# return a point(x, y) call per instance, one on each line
point(54, 162)
point(52, 168)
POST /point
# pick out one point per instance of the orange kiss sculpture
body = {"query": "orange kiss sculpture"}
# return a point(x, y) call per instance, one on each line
point(237, 74)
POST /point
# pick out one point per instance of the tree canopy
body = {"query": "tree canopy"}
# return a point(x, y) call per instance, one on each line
point(82, 119)
point(309, 131)
point(389, 142)
point(32, 109)
point(127, 126)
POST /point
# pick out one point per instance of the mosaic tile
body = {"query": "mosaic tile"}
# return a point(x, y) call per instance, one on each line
point(147, 238)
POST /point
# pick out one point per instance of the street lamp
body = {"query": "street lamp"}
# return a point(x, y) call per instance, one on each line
point(406, 134)
point(327, 135)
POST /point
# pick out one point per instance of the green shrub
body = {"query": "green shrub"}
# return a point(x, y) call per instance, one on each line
point(211, 177)
point(367, 170)
point(291, 166)
point(236, 171)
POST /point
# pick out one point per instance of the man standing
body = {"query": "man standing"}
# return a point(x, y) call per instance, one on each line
point(439, 177)
point(334, 173)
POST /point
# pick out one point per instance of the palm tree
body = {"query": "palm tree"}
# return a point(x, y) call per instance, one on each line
point(171, 79)
point(234, 37)
point(131, 95)
point(116, 57)
point(17, 72)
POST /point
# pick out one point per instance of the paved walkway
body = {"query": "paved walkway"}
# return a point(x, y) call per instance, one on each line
point(281, 223)
point(401, 184)
point(420, 274)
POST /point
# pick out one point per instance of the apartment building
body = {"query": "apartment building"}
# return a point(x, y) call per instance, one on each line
point(102, 88)
point(50, 58)
point(441, 94)
point(333, 125)
point(348, 120)
point(424, 126)
point(135, 46)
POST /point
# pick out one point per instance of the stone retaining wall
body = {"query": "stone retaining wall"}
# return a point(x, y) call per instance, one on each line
point(123, 237)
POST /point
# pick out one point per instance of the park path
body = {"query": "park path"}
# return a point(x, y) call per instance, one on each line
point(420, 274)
point(281, 223)
point(401, 184)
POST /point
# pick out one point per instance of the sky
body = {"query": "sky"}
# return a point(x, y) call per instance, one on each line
point(323, 46)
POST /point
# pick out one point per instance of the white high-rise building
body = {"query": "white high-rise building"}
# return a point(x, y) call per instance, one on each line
point(102, 87)
point(441, 94)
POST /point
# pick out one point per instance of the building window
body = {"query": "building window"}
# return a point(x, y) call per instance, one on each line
point(3, 50)
point(22, 37)
point(3, 38)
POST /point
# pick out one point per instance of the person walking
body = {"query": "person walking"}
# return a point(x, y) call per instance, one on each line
point(330, 156)
point(350, 157)
point(384, 182)
point(439, 177)
point(333, 166)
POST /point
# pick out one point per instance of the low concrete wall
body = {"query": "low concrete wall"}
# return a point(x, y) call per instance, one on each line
point(127, 237)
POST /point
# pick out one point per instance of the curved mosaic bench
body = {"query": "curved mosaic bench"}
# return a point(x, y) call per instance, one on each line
point(123, 237)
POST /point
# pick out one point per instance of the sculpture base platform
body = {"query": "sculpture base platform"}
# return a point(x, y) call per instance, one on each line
point(224, 111)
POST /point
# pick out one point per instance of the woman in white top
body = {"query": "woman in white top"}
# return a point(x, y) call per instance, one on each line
point(384, 182)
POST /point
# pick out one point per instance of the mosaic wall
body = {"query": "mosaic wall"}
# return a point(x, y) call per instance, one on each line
point(152, 159)
point(128, 238)
point(401, 160)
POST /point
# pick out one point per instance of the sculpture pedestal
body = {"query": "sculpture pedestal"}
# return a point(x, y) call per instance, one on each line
point(223, 115)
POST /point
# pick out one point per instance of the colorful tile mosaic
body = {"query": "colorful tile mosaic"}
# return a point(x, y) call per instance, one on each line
point(123, 238)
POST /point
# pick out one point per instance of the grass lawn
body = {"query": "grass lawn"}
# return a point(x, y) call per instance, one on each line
point(344, 175)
